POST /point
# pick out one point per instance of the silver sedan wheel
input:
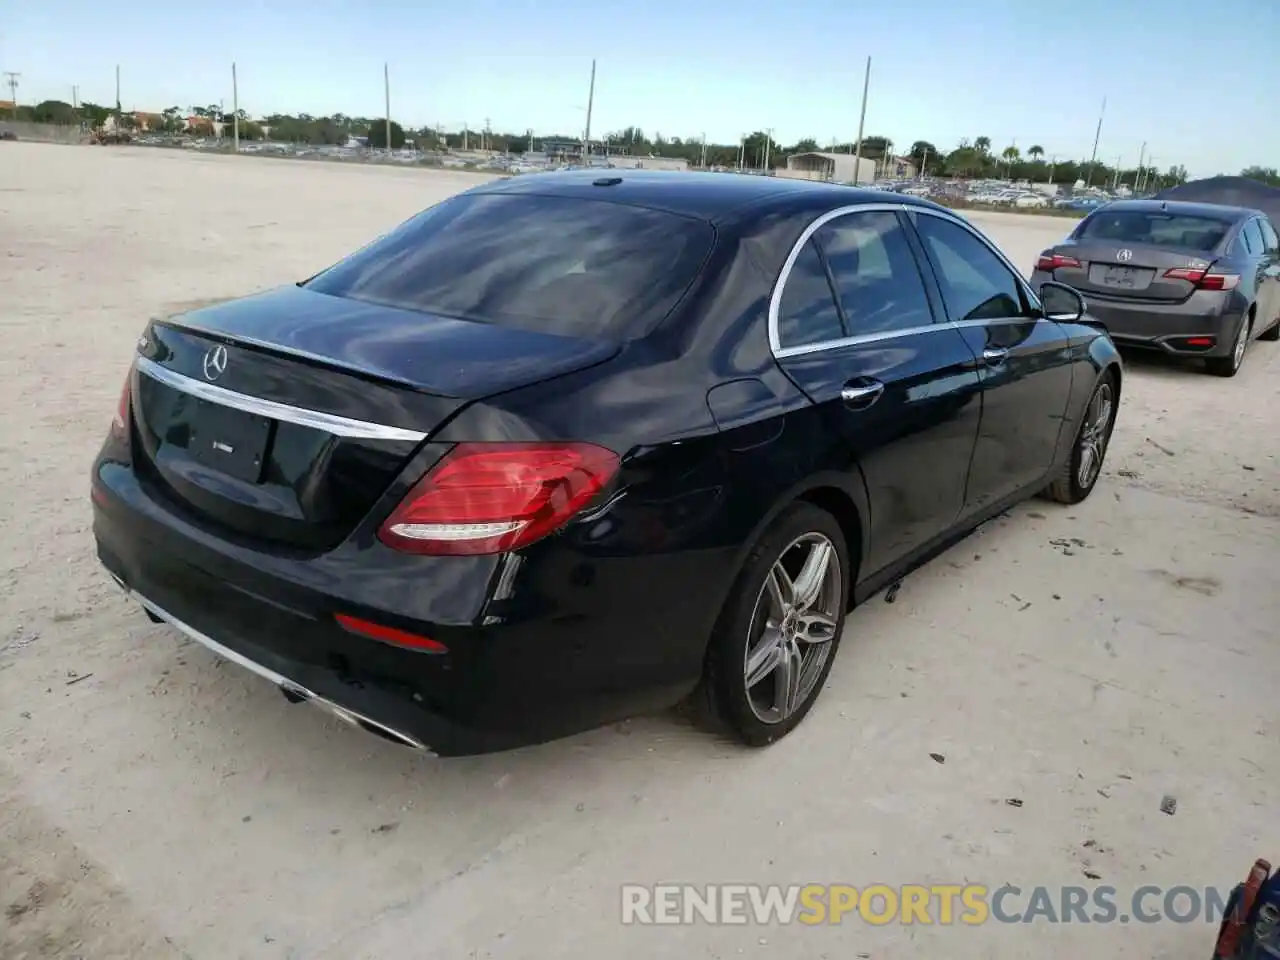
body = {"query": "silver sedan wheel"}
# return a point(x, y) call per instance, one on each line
point(792, 626)
point(1094, 435)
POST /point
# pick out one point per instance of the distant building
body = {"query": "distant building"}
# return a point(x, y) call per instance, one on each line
point(898, 168)
point(649, 163)
point(837, 167)
point(563, 149)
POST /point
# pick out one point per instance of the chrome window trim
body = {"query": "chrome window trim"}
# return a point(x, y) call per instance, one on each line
point(314, 419)
point(775, 300)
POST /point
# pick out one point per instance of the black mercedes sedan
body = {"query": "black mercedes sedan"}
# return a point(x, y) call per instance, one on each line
point(1189, 279)
point(570, 447)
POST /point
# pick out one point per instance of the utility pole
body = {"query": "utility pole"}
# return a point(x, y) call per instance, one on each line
point(117, 89)
point(75, 97)
point(464, 136)
point(703, 161)
point(1116, 183)
point(487, 142)
point(1053, 160)
point(235, 109)
point(531, 140)
point(924, 163)
point(12, 80)
point(591, 96)
point(742, 151)
point(768, 143)
point(386, 89)
point(862, 119)
point(1096, 137)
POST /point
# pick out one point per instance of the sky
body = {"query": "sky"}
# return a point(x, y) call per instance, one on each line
point(1198, 83)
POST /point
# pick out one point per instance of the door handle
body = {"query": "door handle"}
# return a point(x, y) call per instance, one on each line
point(861, 394)
point(994, 355)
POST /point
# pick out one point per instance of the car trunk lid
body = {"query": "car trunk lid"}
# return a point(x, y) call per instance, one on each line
point(284, 417)
point(1130, 271)
point(1139, 252)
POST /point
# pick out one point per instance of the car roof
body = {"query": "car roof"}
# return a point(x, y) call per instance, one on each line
point(1214, 211)
point(706, 196)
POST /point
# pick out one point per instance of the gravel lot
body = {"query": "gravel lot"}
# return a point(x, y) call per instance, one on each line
point(155, 802)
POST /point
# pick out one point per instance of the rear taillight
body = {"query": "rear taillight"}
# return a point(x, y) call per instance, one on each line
point(120, 422)
point(494, 497)
point(1050, 262)
point(1204, 279)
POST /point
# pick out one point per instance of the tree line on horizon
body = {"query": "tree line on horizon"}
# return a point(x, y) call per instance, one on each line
point(970, 159)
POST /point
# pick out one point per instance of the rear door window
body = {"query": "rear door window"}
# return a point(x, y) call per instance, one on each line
point(583, 268)
point(1270, 242)
point(1154, 227)
point(807, 312)
point(875, 273)
point(1252, 236)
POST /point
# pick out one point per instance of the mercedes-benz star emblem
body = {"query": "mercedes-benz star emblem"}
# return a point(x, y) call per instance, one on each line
point(215, 362)
point(1124, 256)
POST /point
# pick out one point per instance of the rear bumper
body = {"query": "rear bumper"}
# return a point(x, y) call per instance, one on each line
point(550, 661)
point(1173, 328)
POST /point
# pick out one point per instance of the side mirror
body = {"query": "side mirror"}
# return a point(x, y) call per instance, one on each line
point(1061, 302)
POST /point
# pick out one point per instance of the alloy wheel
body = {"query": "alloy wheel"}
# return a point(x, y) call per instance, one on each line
point(1242, 342)
point(1094, 436)
point(792, 626)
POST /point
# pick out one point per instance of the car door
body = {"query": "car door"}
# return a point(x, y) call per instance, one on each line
point(1260, 236)
point(1026, 358)
point(856, 330)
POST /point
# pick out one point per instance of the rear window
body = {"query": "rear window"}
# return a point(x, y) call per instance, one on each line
point(583, 268)
point(1154, 227)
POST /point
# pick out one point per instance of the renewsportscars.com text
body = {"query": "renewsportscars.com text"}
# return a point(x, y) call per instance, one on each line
point(942, 904)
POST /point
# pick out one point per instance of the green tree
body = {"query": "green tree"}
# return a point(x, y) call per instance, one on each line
point(1036, 152)
point(967, 162)
point(755, 149)
point(982, 145)
point(94, 114)
point(874, 147)
point(921, 152)
point(1268, 175)
point(377, 135)
point(53, 111)
point(807, 145)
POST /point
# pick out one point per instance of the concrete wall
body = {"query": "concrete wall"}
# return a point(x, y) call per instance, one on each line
point(43, 132)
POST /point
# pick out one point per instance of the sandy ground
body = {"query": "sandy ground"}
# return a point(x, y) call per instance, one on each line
point(155, 802)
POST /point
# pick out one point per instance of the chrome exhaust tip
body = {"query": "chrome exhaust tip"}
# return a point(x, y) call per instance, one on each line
point(298, 694)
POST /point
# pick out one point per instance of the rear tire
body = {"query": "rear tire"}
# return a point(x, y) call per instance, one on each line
point(1077, 477)
point(1229, 365)
point(779, 631)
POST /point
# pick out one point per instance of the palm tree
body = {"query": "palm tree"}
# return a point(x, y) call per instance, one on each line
point(982, 144)
point(1036, 152)
point(1010, 154)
